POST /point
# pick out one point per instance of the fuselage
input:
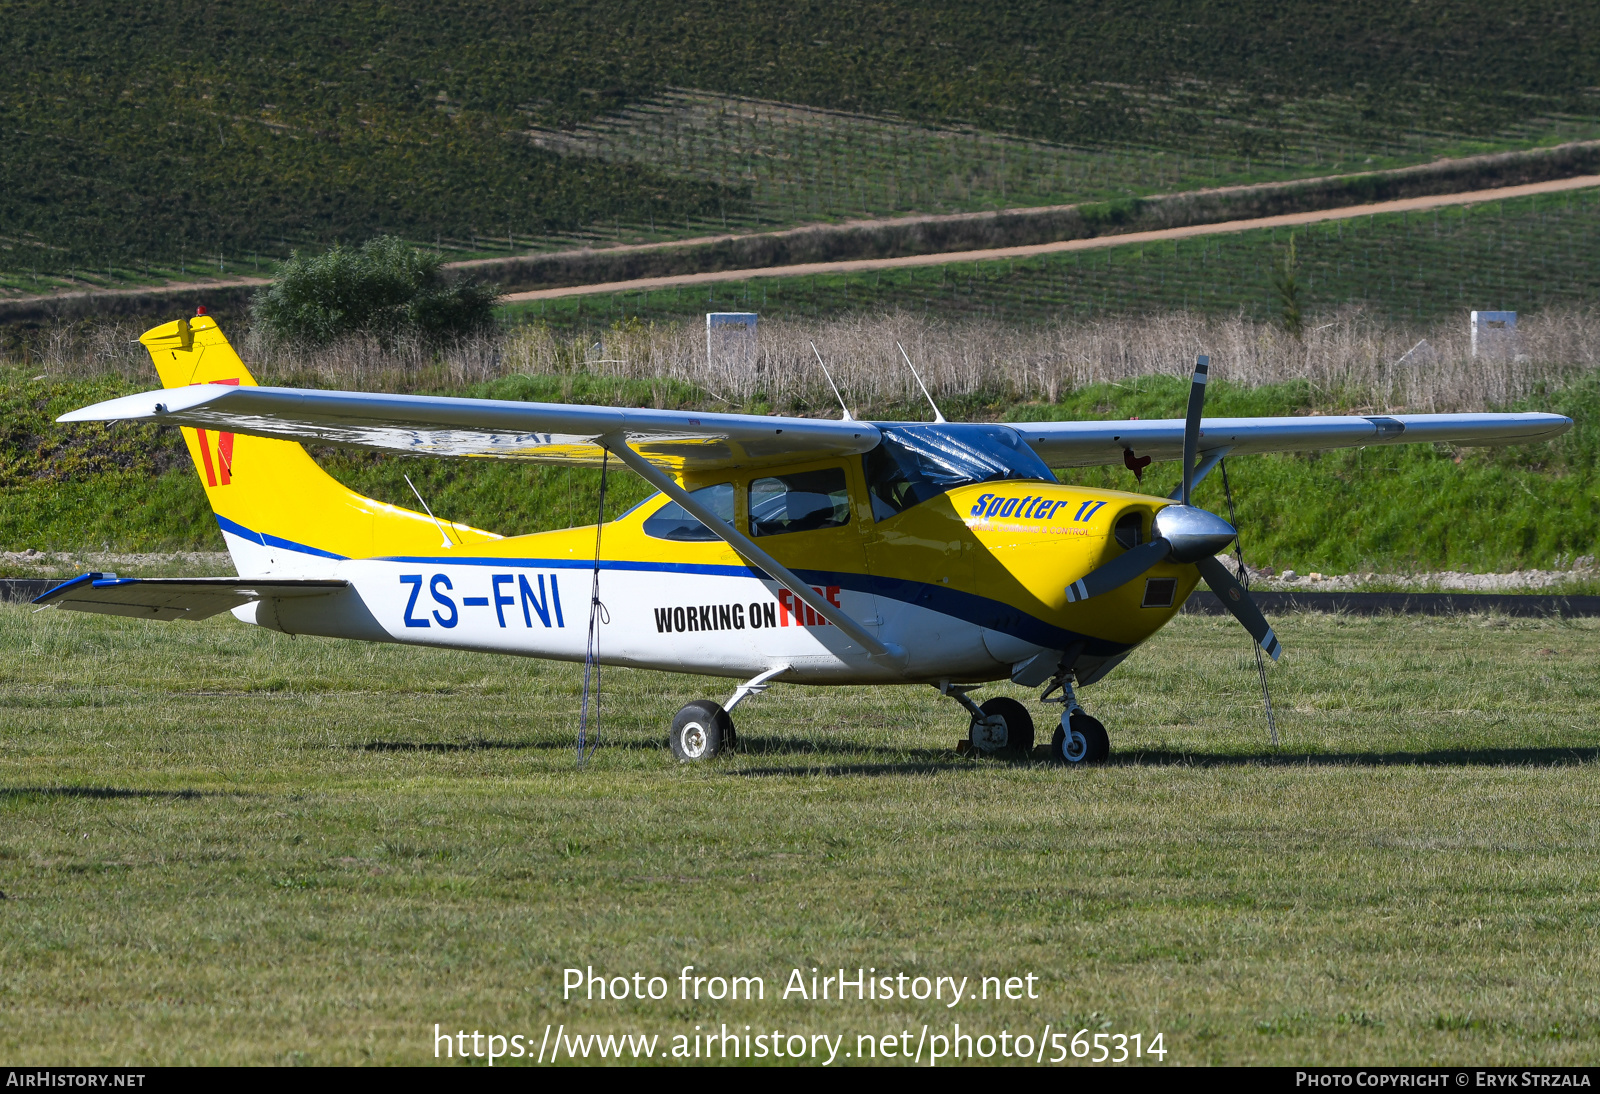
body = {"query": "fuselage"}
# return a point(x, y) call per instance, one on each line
point(964, 585)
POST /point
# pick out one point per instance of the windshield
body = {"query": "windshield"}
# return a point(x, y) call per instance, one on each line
point(917, 462)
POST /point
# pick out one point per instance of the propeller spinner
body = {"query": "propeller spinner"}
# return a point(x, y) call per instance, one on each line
point(1183, 533)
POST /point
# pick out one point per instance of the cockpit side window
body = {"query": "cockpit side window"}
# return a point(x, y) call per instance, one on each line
point(799, 502)
point(894, 481)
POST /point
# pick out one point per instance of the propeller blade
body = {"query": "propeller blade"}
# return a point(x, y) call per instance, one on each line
point(1191, 422)
point(1237, 600)
point(1119, 571)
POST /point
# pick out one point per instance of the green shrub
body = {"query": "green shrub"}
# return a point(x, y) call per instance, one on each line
point(385, 287)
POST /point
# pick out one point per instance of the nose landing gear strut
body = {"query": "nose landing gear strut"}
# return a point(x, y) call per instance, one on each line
point(1079, 739)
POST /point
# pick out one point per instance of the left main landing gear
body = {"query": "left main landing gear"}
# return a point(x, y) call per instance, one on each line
point(1006, 725)
point(700, 731)
point(703, 729)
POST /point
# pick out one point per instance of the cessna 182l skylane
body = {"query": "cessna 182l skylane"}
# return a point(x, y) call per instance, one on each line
point(798, 550)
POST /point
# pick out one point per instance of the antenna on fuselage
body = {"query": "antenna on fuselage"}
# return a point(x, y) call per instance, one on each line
point(847, 415)
point(425, 509)
point(937, 417)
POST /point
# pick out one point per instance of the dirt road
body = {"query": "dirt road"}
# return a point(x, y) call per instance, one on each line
point(857, 265)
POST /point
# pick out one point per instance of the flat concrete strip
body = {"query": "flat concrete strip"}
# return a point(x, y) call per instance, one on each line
point(1348, 212)
point(1205, 602)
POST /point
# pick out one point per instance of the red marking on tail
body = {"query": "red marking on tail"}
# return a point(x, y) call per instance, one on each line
point(224, 449)
point(205, 456)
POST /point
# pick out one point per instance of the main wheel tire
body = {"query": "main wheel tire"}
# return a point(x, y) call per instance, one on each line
point(1019, 725)
point(701, 730)
point(1088, 742)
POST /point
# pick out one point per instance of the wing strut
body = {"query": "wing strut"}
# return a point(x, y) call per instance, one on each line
point(747, 550)
point(1207, 464)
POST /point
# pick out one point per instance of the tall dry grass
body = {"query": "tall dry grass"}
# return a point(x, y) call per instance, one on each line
point(1348, 359)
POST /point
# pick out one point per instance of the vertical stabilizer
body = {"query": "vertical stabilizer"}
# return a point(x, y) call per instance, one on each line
point(279, 512)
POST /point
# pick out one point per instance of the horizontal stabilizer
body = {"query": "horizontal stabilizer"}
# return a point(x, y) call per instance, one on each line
point(167, 598)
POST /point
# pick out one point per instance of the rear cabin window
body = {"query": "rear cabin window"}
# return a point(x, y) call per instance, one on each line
point(800, 502)
point(673, 521)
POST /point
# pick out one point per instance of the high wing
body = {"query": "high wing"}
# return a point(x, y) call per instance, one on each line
point(168, 598)
point(427, 425)
point(1086, 444)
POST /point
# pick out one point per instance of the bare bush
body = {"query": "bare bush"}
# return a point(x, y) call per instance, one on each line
point(1350, 358)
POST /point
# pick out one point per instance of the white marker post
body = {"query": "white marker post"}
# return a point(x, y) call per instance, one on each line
point(742, 335)
point(1493, 331)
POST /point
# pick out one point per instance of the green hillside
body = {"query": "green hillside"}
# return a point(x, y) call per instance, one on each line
point(131, 486)
point(140, 141)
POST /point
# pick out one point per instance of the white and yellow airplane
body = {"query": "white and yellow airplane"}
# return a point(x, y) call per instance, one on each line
point(798, 550)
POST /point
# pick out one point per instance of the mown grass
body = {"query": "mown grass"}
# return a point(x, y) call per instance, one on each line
point(224, 845)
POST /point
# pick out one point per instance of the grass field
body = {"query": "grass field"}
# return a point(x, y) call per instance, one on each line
point(221, 845)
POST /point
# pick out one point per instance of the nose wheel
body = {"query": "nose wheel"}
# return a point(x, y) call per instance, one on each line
point(1079, 740)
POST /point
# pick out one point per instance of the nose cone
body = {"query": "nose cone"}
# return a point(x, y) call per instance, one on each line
point(1193, 533)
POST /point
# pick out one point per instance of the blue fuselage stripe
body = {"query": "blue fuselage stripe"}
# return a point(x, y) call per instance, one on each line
point(273, 541)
